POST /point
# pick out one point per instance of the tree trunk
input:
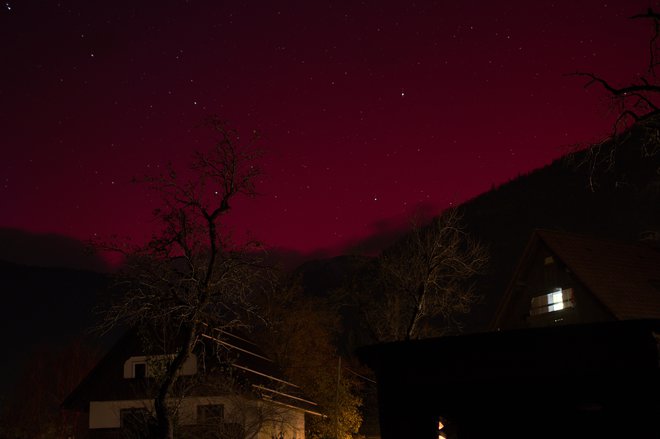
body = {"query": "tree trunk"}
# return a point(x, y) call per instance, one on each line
point(164, 424)
point(419, 306)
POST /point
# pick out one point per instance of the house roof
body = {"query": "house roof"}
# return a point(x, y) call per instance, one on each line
point(521, 354)
point(96, 381)
point(623, 276)
point(522, 383)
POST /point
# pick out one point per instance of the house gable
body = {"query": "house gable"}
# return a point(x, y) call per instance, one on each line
point(245, 387)
point(599, 281)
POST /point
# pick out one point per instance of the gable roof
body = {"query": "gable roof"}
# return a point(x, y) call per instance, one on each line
point(110, 365)
point(623, 276)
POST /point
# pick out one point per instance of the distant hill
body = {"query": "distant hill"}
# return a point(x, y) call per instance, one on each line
point(42, 307)
point(48, 250)
point(625, 203)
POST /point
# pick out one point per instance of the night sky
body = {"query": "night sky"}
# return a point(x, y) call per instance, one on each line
point(369, 111)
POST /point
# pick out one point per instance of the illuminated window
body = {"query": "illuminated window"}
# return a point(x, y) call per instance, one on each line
point(551, 302)
point(441, 425)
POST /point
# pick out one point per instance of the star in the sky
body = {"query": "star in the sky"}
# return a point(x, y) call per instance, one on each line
point(429, 138)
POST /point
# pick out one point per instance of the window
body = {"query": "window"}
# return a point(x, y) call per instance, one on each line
point(138, 367)
point(139, 370)
point(441, 433)
point(555, 301)
point(443, 430)
point(134, 419)
point(146, 366)
point(210, 413)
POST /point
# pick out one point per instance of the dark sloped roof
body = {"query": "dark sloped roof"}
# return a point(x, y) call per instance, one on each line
point(625, 277)
point(111, 365)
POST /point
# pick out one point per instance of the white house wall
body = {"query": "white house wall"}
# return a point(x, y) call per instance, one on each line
point(106, 414)
point(261, 419)
point(188, 368)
